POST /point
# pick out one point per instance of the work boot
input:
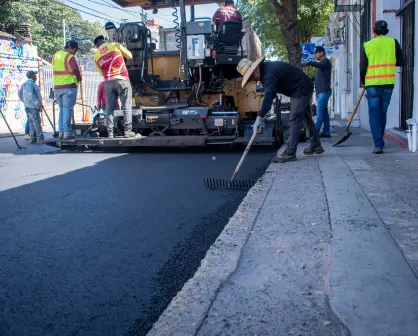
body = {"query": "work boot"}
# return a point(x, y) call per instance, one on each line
point(318, 149)
point(323, 135)
point(27, 136)
point(130, 134)
point(61, 135)
point(378, 150)
point(284, 158)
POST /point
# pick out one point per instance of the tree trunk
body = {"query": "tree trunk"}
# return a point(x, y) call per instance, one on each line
point(286, 11)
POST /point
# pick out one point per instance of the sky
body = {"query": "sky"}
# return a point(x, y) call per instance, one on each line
point(104, 9)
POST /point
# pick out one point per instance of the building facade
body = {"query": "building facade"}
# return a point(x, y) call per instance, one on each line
point(348, 28)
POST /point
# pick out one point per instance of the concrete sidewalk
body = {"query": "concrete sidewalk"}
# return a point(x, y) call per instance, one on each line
point(326, 245)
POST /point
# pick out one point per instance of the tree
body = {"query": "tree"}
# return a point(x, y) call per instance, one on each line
point(283, 25)
point(46, 17)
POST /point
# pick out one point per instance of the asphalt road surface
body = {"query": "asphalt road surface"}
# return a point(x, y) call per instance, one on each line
point(99, 243)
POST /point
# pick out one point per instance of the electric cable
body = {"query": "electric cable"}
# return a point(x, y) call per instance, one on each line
point(354, 26)
point(75, 3)
point(79, 10)
point(132, 13)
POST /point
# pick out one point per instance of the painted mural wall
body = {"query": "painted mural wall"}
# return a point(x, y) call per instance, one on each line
point(16, 58)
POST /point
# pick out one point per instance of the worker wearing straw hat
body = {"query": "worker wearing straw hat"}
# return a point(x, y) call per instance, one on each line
point(284, 78)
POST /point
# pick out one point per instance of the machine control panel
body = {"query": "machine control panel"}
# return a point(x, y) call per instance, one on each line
point(195, 47)
point(198, 27)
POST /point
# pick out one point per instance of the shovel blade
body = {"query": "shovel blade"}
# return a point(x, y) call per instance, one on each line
point(344, 139)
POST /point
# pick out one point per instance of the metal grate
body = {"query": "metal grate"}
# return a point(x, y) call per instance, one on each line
point(407, 78)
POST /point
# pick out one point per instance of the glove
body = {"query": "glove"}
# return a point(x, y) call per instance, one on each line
point(257, 123)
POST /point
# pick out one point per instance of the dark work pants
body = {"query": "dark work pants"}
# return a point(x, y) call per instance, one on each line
point(118, 88)
point(300, 110)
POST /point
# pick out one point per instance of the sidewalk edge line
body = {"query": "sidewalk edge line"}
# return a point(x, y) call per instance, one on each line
point(382, 220)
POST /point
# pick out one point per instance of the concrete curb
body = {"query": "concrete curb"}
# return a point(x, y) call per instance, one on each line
point(396, 138)
point(187, 311)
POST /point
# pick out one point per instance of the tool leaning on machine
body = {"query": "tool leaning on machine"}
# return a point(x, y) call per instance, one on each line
point(190, 96)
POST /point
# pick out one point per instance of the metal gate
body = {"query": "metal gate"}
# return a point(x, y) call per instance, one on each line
point(47, 77)
point(407, 13)
point(90, 85)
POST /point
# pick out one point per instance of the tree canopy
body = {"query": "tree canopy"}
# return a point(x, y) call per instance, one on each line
point(311, 18)
point(45, 18)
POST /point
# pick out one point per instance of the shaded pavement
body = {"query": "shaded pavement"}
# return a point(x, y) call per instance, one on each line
point(99, 243)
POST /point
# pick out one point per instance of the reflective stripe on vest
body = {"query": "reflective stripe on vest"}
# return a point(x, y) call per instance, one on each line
point(62, 69)
point(381, 55)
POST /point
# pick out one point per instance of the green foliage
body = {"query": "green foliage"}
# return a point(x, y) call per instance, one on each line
point(46, 21)
point(265, 23)
point(312, 16)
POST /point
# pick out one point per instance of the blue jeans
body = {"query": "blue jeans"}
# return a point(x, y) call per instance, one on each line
point(322, 116)
point(27, 129)
point(66, 99)
point(378, 100)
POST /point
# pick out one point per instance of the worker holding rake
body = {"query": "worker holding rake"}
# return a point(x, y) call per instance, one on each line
point(284, 78)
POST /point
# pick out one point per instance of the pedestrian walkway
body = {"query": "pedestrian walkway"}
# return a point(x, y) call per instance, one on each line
point(325, 245)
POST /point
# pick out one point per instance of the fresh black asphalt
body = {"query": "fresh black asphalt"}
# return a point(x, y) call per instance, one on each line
point(99, 243)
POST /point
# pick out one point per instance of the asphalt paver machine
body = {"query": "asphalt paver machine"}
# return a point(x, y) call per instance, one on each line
point(191, 96)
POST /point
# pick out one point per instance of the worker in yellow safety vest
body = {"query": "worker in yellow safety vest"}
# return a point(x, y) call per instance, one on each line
point(66, 79)
point(378, 61)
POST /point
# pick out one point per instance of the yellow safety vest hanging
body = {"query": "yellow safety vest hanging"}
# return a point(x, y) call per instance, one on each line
point(62, 70)
point(381, 55)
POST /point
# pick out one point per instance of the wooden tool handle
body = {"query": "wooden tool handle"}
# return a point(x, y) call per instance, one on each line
point(244, 155)
point(356, 107)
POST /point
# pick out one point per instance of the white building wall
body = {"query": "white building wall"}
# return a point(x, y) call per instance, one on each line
point(348, 80)
point(415, 113)
point(394, 23)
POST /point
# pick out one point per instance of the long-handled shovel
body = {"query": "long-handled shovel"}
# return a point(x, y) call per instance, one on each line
point(52, 125)
point(234, 184)
point(350, 120)
point(11, 132)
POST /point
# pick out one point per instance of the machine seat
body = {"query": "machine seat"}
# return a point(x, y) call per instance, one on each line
point(229, 38)
point(230, 33)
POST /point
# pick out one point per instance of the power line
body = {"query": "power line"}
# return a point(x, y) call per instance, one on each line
point(130, 12)
point(91, 9)
point(79, 10)
point(110, 6)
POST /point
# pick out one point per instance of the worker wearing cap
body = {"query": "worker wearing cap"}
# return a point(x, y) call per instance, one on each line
point(284, 78)
point(322, 89)
point(109, 59)
point(31, 97)
point(66, 78)
point(227, 13)
point(111, 31)
point(379, 59)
